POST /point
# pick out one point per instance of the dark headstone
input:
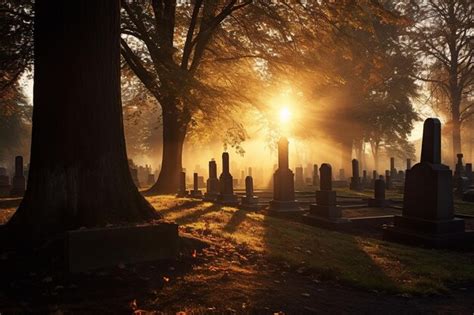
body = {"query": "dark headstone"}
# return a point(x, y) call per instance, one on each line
point(365, 179)
point(18, 181)
point(325, 212)
point(355, 179)
point(226, 183)
point(283, 183)
point(195, 192)
point(249, 198)
point(108, 247)
point(212, 183)
point(393, 170)
point(459, 170)
point(388, 180)
point(379, 194)
point(428, 212)
point(469, 173)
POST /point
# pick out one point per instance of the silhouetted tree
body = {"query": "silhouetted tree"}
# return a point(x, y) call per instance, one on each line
point(79, 174)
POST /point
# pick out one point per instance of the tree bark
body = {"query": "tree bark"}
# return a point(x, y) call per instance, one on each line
point(174, 133)
point(78, 174)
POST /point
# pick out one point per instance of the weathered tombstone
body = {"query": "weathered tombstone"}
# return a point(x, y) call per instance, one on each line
point(182, 192)
point(18, 181)
point(212, 183)
point(195, 192)
point(315, 175)
point(379, 194)
point(299, 180)
point(283, 184)
point(4, 183)
point(355, 179)
point(151, 179)
point(374, 177)
point(249, 199)
point(408, 164)
point(325, 212)
point(428, 213)
point(226, 184)
point(388, 180)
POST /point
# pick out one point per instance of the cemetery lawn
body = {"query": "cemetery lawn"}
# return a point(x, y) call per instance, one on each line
point(364, 262)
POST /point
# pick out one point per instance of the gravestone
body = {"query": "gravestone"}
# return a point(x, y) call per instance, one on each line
point(355, 179)
point(325, 212)
point(226, 184)
point(195, 192)
point(315, 176)
point(5, 187)
point(182, 192)
point(212, 183)
point(299, 180)
point(379, 194)
point(18, 180)
point(428, 212)
point(374, 177)
point(249, 199)
point(283, 184)
point(408, 164)
point(201, 183)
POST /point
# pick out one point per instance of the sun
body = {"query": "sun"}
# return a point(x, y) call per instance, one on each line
point(284, 115)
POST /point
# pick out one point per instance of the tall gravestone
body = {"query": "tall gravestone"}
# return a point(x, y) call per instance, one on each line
point(226, 184)
point(299, 179)
point(379, 194)
point(325, 211)
point(182, 192)
point(459, 170)
point(388, 180)
point(249, 199)
point(428, 213)
point(393, 170)
point(374, 177)
point(355, 179)
point(195, 192)
point(315, 176)
point(18, 180)
point(212, 184)
point(283, 184)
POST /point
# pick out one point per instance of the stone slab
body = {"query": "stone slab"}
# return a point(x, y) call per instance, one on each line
point(284, 208)
point(332, 224)
point(87, 249)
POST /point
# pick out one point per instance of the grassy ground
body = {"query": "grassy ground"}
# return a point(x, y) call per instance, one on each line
point(363, 262)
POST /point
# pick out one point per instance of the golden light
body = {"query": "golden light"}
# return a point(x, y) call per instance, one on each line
point(284, 115)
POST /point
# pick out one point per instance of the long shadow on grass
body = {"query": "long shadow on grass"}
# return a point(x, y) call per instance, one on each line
point(234, 222)
point(186, 205)
point(193, 216)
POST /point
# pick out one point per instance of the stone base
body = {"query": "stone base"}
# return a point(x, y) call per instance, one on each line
point(327, 223)
point(231, 200)
point(195, 194)
point(210, 197)
point(436, 234)
point(379, 203)
point(284, 208)
point(249, 201)
point(107, 247)
point(356, 185)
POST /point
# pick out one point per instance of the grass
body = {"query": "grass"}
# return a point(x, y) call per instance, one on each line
point(364, 262)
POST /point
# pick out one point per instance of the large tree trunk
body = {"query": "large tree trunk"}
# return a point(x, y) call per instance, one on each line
point(79, 174)
point(174, 133)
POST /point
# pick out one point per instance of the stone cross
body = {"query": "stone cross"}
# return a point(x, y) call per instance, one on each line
point(431, 142)
point(325, 181)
